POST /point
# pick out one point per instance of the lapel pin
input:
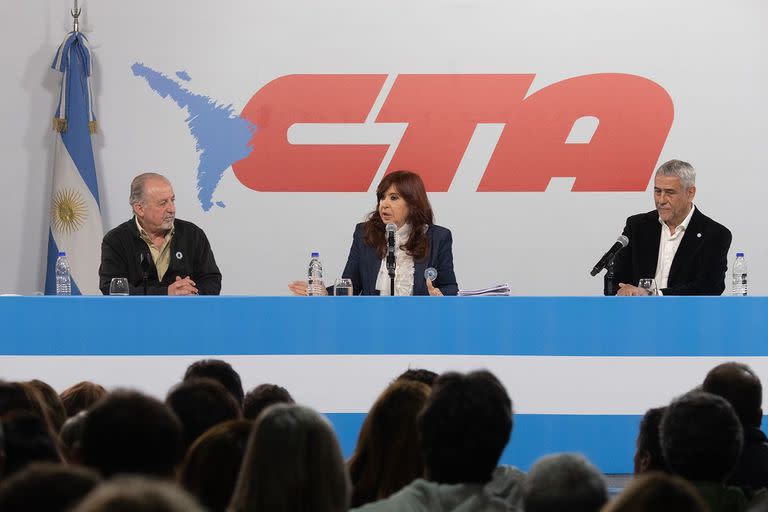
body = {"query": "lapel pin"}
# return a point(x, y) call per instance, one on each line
point(698, 235)
point(179, 255)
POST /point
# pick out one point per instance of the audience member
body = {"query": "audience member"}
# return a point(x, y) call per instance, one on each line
point(293, 463)
point(81, 397)
point(128, 432)
point(210, 469)
point(262, 396)
point(388, 452)
point(741, 387)
point(648, 455)
point(464, 427)
point(564, 481)
point(55, 409)
point(657, 492)
point(138, 494)
point(20, 396)
point(28, 439)
point(46, 487)
point(72, 436)
point(427, 377)
point(220, 371)
point(200, 404)
point(701, 439)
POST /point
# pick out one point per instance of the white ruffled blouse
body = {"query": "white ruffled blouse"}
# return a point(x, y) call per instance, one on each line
point(403, 267)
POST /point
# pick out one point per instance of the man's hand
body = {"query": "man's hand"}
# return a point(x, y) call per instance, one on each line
point(184, 286)
point(627, 290)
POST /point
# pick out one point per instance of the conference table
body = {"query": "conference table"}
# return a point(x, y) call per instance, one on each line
point(580, 370)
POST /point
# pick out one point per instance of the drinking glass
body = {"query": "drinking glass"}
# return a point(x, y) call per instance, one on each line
point(119, 286)
point(342, 287)
point(648, 285)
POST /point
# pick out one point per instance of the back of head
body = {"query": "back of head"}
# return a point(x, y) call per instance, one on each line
point(220, 371)
point(28, 439)
point(212, 464)
point(648, 456)
point(292, 463)
point(72, 435)
point(262, 396)
point(46, 486)
point(422, 375)
point(81, 397)
point(55, 409)
point(137, 494)
point(740, 386)
point(388, 452)
point(21, 396)
point(701, 437)
point(200, 404)
point(564, 482)
point(658, 492)
point(128, 432)
point(464, 427)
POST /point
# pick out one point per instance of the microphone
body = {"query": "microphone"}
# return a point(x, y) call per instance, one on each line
point(391, 228)
point(621, 243)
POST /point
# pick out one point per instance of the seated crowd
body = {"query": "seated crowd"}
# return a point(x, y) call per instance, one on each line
point(428, 443)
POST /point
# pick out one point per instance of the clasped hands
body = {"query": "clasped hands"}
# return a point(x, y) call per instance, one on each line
point(628, 290)
point(182, 286)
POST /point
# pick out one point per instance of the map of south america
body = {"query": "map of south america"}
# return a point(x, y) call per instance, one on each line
point(221, 136)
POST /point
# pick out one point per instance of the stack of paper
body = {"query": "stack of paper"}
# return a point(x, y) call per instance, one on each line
point(498, 290)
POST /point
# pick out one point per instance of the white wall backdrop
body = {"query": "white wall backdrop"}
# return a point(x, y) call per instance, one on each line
point(709, 56)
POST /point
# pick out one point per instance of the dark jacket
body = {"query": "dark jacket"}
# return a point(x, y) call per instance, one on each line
point(700, 261)
point(191, 256)
point(751, 472)
point(363, 264)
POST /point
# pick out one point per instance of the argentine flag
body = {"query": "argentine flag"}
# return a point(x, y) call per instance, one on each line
point(75, 215)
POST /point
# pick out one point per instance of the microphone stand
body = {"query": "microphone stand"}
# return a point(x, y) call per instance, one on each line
point(391, 264)
point(609, 286)
point(145, 270)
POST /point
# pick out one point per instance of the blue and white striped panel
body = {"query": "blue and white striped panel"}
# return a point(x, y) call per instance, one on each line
point(335, 355)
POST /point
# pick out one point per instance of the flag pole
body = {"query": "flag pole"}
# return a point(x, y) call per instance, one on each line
point(75, 14)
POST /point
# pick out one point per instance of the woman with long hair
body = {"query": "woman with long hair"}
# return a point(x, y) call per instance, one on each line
point(388, 453)
point(401, 200)
point(292, 463)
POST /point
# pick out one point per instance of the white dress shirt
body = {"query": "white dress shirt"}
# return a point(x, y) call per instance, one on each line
point(403, 267)
point(668, 245)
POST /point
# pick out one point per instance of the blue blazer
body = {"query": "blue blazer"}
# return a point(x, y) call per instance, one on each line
point(363, 264)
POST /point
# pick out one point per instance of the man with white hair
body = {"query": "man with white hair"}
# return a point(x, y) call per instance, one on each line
point(685, 251)
point(158, 253)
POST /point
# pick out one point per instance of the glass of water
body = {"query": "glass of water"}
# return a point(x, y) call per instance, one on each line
point(648, 285)
point(119, 286)
point(343, 287)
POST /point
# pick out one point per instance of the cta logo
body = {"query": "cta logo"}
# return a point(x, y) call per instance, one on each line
point(442, 111)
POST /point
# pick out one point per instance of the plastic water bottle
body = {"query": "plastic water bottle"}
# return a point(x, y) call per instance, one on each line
point(315, 284)
point(740, 274)
point(63, 279)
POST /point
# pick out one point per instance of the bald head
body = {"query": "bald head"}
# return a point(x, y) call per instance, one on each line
point(740, 386)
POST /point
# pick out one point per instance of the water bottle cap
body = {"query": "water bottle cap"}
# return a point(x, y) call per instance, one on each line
point(739, 254)
point(62, 253)
point(315, 254)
